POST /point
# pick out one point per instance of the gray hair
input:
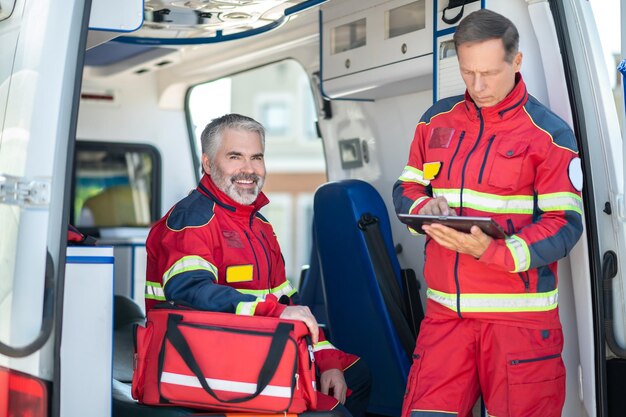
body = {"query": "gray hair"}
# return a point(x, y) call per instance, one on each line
point(211, 137)
point(483, 25)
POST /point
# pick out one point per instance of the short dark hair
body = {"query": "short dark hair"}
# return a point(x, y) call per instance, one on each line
point(211, 136)
point(483, 25)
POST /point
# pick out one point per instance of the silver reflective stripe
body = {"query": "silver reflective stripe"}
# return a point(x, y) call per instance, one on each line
point(519, 252)
point(324, 345)
point(283, 289)
point(246, 308)
point(417, 202)
point(491, 203)
point(225, 385)
point(154, 291)
point(411, 174)
point(493, 303)
point(189, 263)
point(560, 202)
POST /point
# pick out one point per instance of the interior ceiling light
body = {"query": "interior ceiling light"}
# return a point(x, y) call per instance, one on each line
point(206, 21)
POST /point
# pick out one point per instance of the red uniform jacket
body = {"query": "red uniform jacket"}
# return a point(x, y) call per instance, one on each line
point(218, 255)
point(516, 162)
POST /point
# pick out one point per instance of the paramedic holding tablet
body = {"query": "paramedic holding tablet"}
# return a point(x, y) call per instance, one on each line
point(492, 325)
point(216, 252)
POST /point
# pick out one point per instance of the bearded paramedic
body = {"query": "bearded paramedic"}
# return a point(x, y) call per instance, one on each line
point(216, 252)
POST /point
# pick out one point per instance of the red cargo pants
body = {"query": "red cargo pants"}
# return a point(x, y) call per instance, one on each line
point(518, 371)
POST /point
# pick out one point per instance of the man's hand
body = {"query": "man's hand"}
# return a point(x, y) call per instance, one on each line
point(334, 380)
point(474, 243)
point(437, 207)
point(302, 313)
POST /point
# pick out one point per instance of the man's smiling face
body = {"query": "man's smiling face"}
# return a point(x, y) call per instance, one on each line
point(239, 166)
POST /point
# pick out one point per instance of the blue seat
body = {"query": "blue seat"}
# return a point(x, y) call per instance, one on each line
point(361, 284)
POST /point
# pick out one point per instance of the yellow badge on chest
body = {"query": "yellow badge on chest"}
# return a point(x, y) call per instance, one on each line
point(239, 273)
point(431, 169)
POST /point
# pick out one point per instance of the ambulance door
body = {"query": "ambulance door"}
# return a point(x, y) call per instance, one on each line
point(41, 44)
point(598, 275)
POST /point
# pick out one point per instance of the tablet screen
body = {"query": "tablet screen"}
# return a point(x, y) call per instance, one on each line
point(460, 223)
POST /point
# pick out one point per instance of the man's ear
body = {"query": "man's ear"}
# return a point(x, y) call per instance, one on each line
point(517, 61)
point(206, 164)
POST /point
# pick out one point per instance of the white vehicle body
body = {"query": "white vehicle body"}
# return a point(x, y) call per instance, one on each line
point(377, 90)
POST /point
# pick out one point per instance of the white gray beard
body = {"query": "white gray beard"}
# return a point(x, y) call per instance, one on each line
point(227, 185)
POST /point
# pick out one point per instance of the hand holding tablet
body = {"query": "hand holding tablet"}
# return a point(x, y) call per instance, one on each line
point(460, 223)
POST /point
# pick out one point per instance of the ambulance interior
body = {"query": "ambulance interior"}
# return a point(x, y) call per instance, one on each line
point(340, 86)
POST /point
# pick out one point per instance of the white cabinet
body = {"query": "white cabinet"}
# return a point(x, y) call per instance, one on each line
point(367, 47)
point(87, 339)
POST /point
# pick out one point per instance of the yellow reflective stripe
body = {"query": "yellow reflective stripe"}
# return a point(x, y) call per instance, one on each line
point(519, 250)
point(492, 203)
point(431, 413)
point(246, 308)
point(283, 289)
point(153, 291)
point(323, 345)
point(256, 293)
point(560, 202)
point(411, 174)
point(189, 263)
point(493, 303)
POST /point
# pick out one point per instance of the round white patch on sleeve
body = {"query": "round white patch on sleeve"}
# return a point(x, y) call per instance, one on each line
point(575, 172)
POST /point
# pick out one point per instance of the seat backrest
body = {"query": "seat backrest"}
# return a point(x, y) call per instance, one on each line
point(358, 317)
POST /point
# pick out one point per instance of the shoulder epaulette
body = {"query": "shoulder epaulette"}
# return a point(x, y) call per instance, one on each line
point(195, 210)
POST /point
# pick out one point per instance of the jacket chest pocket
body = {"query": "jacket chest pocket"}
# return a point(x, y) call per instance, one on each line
point(507, 164)
point(445, 155)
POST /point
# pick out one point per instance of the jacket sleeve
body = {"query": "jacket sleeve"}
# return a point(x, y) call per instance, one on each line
point(186, 263)
point(411, 192)
point(557, 218)
point(328, 356)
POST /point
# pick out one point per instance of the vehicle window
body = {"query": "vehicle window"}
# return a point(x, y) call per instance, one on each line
point(283, 102)
point(115, 185)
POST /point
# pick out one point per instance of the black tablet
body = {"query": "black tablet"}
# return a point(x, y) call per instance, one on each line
point(460, 223)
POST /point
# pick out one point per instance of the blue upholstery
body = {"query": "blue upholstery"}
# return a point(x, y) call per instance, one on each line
point(358, 318)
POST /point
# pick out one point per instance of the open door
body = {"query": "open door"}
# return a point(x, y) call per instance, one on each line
point(599, 279)
point(41, 48)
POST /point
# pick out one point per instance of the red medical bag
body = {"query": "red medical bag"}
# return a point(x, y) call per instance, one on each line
point(223, 362)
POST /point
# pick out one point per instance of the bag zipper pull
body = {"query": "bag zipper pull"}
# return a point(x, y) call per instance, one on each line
point(309, 347)
point(297, 381)
point(311, 355)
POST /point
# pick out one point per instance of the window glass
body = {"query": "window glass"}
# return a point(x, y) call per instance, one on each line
point(405, 19)
point(348, 36)
point(279, 96)
point(114, 185)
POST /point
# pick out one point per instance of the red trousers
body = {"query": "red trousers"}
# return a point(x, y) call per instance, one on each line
point(518, 371)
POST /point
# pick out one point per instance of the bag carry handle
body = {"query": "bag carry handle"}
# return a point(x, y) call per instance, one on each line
point(451, 5)
point(277, 346)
